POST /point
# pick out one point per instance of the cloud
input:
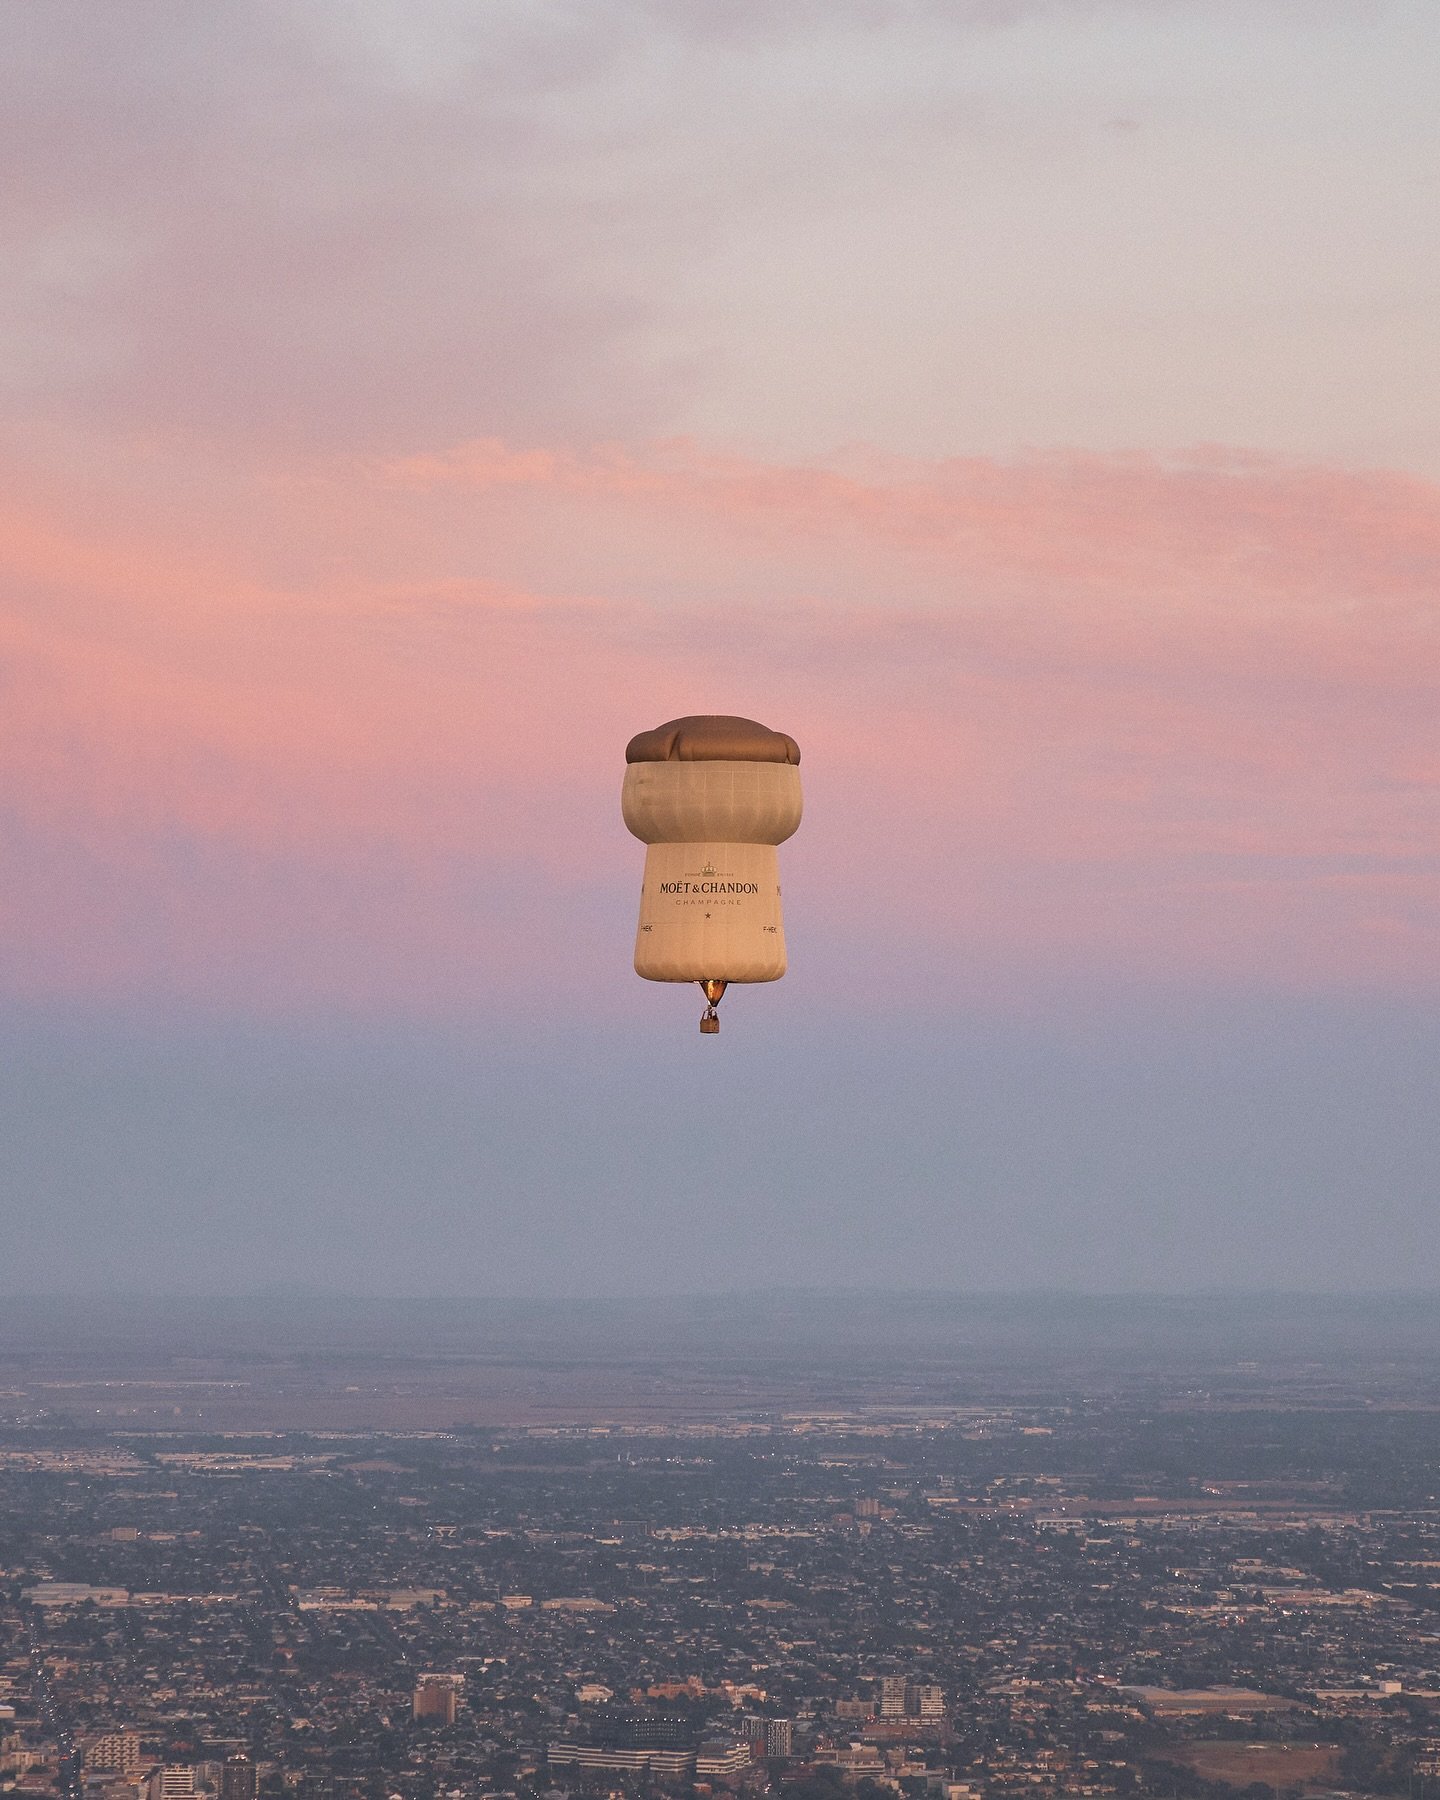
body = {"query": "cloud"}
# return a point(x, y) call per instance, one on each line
point(1170, 722)
point(1200, 523)
point(251, 224)
point(379, 226)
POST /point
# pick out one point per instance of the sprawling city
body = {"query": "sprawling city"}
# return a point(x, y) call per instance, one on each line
point(1195, 1575)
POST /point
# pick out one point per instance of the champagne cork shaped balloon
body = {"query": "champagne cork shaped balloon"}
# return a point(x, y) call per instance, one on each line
point(710, 797)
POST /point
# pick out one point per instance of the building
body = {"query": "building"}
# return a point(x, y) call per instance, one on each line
point(666, 1764)
point(116, 1753)
point(437, 1697)
point(74, 1593)
point(854, 1760)
point(238, 1779)
point(641, 1731)
point(925, 1702)
point(407, 1599)
point(779, 1737)
point(172, 1781)
point(719, 1758)
point(892, 1697)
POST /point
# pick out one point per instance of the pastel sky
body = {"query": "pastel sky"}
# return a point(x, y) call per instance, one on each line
point(1032, 406)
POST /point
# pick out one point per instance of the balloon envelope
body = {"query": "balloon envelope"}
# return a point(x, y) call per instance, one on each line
point(711, 796)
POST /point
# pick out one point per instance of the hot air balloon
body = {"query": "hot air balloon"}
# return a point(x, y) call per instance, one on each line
point(710, 797)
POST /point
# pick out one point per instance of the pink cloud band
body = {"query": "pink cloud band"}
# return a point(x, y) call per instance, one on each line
point(1113, 714)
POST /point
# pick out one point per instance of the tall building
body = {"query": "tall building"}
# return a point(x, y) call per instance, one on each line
point(173, 1781)
point(925, 1702)
point(642, 1731)
point(437, 1697)
point(238, 1779)
point(779, 1737)
point(892, 1697)
point(116, 1753)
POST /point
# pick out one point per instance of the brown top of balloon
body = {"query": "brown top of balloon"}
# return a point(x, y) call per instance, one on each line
point(712, 737)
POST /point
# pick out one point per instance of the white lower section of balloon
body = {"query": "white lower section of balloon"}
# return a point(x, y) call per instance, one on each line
point(710, 912)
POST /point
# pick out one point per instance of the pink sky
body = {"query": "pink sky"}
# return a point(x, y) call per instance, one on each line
point(1118, 714)
point(1030, 405)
